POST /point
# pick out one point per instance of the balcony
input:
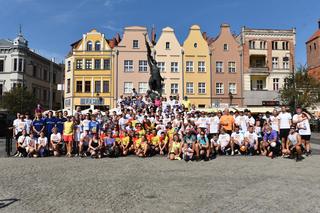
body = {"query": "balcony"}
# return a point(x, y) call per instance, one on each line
point(258, 65)
point(258, 70)
point(256, 97)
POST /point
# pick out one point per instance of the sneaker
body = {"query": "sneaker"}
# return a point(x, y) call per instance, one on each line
point(17, 154)
point(232, 153)
point(299, 158)
point(84, 155)
point(20, 155)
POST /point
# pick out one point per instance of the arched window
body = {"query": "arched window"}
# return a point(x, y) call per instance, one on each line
point(89, 46)
point(97, 46)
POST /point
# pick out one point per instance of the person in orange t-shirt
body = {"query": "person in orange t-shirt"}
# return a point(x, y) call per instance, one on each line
point(227, 121)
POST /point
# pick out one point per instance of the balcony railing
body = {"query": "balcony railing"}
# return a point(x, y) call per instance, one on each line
point(259, 70)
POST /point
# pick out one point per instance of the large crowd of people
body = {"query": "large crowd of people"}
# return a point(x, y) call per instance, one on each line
point(171, 128)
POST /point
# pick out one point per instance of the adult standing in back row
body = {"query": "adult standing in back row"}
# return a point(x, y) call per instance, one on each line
point(227, 121)
point(284, 126)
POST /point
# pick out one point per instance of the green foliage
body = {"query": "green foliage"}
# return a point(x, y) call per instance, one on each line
point(18, 100)
point(301, 90)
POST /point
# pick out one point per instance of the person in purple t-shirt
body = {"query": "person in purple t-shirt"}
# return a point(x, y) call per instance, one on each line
point(270, 144)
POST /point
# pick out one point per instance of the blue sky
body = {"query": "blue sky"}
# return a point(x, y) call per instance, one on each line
point(51, 26)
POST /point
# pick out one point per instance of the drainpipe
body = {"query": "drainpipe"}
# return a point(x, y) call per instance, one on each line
point(182, 52)
point(211, 79)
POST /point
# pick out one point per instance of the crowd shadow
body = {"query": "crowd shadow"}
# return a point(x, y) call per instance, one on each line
point(7, 202)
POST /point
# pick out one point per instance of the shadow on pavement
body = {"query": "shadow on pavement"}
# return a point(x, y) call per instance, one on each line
point(7, 202)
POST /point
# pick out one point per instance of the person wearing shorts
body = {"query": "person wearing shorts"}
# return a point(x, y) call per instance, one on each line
point(294, 144)
point(236, 140)
point(305, 132)
point(284, 125)
point(68, 131)
point(56, 141)
point(84, 143)
point(223, 142)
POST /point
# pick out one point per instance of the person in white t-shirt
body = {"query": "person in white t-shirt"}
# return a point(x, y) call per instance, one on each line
point(274, 121)
point(284, 125)
point(202, 122)
point(55, 141)
point(213, 122)
point(42, 144)
point(242, 121)
point(251, 140)
point(223, 141)
point(305, 132)
point(236, 139)
point(22, 144)
point(32, 146)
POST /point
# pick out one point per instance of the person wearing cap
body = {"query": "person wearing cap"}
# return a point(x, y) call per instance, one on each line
point(294, 144)
point(305, 132)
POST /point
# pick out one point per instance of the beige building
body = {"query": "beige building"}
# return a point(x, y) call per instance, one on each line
point(168, 54)
point(196, 74)
point(130, 60)
point(268, 56)
point(226, 69)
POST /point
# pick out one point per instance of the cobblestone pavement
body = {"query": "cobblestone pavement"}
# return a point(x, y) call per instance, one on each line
point(227, 184)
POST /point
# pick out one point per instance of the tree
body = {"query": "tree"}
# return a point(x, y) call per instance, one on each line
point(19, 100)
point(300, 90)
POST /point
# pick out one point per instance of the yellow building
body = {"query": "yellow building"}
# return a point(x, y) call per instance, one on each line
point(88, 73)
point(196, 76)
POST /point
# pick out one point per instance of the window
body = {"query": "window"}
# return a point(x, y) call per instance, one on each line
point(232, 66)
point(106, 64)
point(88, 64)
point(106, 86)
point(34, 71)
point(97, 46)
point(219, 88)
point(262, 45)
point(225, 47)
point(162, 66)
point(285, 45)
point(275, 62)
point(45, 75)
point(143, 66)
point(20, 65)
point(128, 86)
point(310, 48)
point(286, 82)
point(143, 87)
point(54, 76)
point(202, 88)
point(189, 66)
point(79, 64)
point(195, 45)
point(259, 85)
point(128, 65)
point(174, 88)
point(69, 66)
point(252, 44)
point(276, 84)
point(315, 46)
point(79, 86)
point(97, 64)
point(87, 86)
point(201, 66)
point(68, 85)
point(15, 64)
point(89, 46)
point(274, 45)
point(1, 65)
point(285, 62)
point(135, 44)
point(232, 88)
point(189, 87)
point(97, 86)
point(219, 66)
point(167, 45)
point(174, 67)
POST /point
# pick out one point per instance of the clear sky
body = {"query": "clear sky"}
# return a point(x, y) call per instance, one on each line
point(52, 25)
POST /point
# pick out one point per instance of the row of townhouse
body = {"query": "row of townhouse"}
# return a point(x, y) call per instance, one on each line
point(247, 69)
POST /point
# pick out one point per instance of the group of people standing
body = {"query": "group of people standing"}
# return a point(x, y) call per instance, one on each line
point(172, 128)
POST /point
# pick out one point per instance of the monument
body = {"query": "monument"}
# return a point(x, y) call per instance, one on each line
point(155, 81)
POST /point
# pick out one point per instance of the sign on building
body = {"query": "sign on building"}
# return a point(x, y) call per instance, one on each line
point(92, 101)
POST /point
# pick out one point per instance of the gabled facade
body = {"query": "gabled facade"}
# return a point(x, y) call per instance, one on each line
point(196, 69)
point(226, 69)
point(313, 54)
point(88, 73)
point(169, 57)
point(131, 66)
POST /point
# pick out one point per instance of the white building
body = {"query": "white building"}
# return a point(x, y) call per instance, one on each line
point(21, 66)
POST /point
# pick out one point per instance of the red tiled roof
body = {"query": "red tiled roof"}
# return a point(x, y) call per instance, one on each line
point(314, 36)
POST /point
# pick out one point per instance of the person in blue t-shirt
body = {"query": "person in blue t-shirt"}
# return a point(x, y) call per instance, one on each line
point(94, 126)
point(270, 145)
point(38, 125)
point(50, 122)
point(59, 122)
point(202, 147)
